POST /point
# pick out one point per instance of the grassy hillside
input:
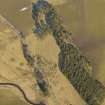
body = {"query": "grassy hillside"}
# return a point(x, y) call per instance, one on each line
point(88, 33)
point(14, 68)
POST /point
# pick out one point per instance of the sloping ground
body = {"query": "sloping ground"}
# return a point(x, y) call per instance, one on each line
point(91, 42)
point(11, 98)
point(72, 63)
point(14, 68)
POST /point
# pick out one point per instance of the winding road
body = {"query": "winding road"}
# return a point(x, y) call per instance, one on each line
point(17, 32)
point(22, 92)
